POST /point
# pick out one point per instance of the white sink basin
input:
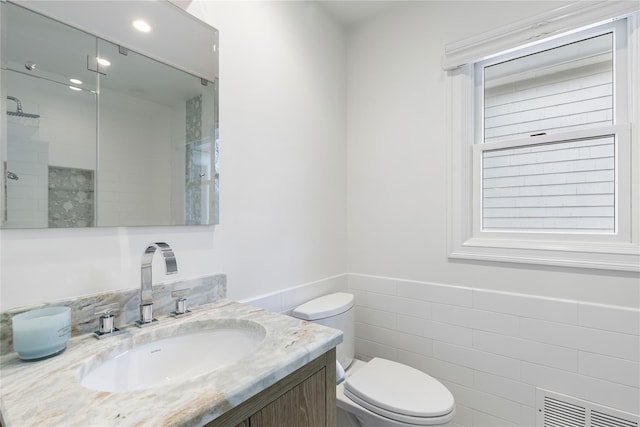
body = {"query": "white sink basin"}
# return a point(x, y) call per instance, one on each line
point(180, 357)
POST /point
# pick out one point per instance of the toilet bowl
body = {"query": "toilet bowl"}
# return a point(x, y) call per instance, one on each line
point(378, 393)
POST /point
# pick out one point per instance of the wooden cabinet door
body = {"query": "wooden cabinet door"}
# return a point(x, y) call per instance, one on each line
point(302, 406)
point(304, 398)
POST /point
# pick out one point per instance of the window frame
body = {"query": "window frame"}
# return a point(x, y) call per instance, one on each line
point(622, 137)
point(619, 251)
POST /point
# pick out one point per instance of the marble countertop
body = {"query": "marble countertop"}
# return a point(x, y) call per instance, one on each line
point(48, 392)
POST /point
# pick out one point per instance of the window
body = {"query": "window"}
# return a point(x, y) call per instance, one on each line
point(545, 151)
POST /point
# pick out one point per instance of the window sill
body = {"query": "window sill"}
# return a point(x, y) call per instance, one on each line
point(611, 256)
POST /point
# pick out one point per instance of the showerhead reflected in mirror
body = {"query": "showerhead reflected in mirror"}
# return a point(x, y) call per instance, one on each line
point(101, 135)
point(18, 112)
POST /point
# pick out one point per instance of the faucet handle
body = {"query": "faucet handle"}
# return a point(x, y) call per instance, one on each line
point(107, 320)
point(180, 293)
point(106, 309)
point(181, 302)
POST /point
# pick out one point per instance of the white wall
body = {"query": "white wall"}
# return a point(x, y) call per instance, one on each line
point(491, 332)
point(282, 150)
point(283, 167)
point(397, 157)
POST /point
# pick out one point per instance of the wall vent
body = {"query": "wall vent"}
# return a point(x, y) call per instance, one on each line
point(559, 410)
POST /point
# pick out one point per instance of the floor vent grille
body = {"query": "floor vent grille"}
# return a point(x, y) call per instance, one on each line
point(599, 419)
point(559, 410)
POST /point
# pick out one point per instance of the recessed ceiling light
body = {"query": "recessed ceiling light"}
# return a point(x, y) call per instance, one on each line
point(104, 62)
point(74, 88)
point(141, 25)
point(76, 81)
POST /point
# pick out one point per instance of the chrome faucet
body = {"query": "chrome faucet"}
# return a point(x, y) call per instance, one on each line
point(146, 285)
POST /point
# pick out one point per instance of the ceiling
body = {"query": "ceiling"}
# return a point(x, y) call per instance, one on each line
point(350, 12)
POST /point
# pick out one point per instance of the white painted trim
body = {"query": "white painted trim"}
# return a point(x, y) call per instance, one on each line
point(559, 258)
point(634, 118)
point(460, 118)
point(393, 280)
point(529, 31)
point(463, 243)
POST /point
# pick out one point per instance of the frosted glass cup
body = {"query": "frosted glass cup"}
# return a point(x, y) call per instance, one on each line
point(41, 333)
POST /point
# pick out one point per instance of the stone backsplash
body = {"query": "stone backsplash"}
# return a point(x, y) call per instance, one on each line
point(203, 290)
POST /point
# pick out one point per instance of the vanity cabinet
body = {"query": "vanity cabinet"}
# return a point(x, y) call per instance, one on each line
point(305, 398)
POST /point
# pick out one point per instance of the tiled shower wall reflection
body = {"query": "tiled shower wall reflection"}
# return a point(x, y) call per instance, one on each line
point(193, 190)
point(201, 184)
point(71, 197)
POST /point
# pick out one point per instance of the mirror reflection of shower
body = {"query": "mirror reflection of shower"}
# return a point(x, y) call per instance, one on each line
point(19, 112)
point(95, 149)
point(25, 167)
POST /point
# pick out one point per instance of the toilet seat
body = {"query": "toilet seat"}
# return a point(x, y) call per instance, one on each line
point(400, 393)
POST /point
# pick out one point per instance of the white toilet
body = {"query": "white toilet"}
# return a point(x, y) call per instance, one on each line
point(378, 393)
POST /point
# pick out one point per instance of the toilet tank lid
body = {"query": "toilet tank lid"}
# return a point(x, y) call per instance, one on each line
point(325, 306)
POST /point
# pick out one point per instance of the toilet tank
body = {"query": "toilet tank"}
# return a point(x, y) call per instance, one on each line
point(335, 311)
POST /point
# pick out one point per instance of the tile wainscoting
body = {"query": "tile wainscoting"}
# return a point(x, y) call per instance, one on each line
point(491, 349)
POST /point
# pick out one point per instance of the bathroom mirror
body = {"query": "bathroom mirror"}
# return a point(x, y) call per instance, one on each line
point(114, 128)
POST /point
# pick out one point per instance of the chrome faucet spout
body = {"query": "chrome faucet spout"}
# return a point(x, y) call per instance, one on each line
point(146, 283)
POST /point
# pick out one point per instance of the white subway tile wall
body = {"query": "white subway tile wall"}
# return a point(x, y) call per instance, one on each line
point(27, 196)
point(492, 349)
